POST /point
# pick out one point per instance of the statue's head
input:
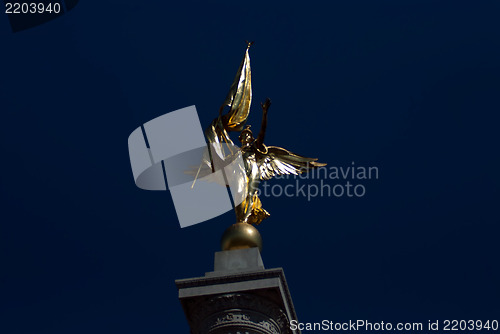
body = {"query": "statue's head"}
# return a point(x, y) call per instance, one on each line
point(246, 136)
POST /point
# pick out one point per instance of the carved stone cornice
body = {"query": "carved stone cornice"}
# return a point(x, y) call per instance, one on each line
point(239, 297)
point(247, 276)
point(230, 313)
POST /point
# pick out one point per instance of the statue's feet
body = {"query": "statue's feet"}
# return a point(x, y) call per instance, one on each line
point(257, 216)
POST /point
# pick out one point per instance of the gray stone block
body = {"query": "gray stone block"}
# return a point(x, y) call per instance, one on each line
point(239, 260)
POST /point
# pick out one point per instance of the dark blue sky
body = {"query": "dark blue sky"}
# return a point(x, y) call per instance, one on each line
point(411, 87)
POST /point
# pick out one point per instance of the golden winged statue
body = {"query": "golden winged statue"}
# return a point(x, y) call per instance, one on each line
point(260, 162)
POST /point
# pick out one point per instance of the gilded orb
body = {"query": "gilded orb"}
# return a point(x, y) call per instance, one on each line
point(241, 235)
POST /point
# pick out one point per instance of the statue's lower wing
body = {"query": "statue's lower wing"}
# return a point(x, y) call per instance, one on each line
point(218, 139)
point(278, 161)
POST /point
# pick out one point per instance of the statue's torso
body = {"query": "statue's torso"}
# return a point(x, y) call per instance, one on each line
point(251, 166)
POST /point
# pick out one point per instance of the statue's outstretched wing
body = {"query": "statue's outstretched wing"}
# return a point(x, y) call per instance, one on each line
point(278, 161)
point(238, 99)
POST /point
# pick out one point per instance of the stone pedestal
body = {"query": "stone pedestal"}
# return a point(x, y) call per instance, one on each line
point(239, 297)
